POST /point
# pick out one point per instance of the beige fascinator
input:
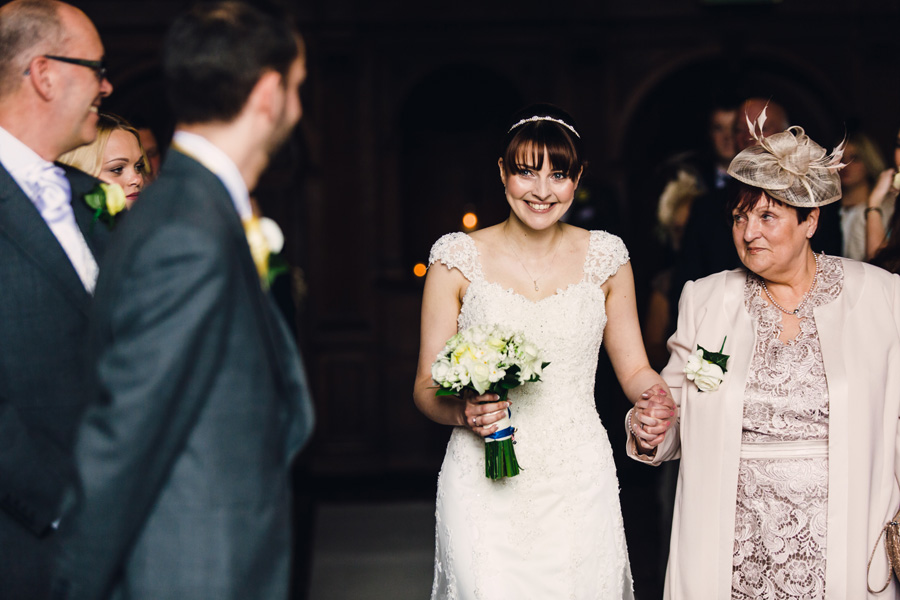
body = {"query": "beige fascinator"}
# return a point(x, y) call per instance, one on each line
point(789, 166)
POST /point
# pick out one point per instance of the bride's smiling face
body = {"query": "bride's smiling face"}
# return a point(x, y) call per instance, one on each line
point(538, 195)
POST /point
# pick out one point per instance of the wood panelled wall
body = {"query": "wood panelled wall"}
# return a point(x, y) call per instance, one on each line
point(403, 109)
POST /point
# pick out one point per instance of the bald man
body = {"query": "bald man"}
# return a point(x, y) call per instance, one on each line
point(52, 81)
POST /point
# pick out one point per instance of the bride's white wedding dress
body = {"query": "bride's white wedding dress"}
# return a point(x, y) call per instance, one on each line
point(555, 530)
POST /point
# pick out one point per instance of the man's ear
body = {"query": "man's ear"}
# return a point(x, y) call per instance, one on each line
point(40, 78)
point(267, 96)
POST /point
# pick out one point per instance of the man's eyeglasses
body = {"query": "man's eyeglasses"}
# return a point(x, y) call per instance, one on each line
point(97, 66)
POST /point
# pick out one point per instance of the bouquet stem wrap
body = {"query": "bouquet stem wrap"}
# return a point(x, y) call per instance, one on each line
point(499, 452)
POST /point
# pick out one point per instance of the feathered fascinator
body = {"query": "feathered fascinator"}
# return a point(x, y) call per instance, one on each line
point(789, 166)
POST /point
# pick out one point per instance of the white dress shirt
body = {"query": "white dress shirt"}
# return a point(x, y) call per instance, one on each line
point(46, 186)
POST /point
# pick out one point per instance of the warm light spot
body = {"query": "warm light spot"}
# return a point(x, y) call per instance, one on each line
point(420, 270)
point(470, 220)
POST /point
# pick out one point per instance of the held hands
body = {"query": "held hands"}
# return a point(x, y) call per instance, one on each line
point(651, 418)
point(480, 417)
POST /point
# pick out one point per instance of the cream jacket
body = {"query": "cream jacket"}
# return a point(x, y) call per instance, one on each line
point(860, 339)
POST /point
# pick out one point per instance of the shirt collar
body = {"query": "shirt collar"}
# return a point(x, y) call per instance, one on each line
point(19, 160)
point(210, 156)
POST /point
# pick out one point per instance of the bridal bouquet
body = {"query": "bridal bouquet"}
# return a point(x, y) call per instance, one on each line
point(486, 358)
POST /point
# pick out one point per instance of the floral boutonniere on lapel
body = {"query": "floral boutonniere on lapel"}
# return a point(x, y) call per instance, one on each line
point(707, 369)
point(266, 242)
point(106, 200)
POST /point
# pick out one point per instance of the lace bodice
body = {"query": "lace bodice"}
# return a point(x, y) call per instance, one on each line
point(567, 326)
point(558, 522)
point(781, 516)
point(786, 394)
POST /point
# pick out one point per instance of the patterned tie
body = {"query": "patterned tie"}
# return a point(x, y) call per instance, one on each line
point(52, 200)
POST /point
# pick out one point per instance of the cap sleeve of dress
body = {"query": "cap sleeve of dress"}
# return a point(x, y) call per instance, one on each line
point(606, 253)
point(457, 251)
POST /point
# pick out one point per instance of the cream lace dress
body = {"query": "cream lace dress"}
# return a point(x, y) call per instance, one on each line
point(555, 530)
point(781, 519)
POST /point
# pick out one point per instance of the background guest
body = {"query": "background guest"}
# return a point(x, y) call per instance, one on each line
point(864, 163)
point(880, 205)
point(115, 156)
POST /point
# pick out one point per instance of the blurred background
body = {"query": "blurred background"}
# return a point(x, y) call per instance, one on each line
point(403, 112)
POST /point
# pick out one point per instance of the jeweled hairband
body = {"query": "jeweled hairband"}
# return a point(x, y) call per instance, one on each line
point(534, 119)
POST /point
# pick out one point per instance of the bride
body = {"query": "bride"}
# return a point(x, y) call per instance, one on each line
point(555, 530)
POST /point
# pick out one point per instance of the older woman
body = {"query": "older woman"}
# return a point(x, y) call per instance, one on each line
point(789, 458)
point(115, 156)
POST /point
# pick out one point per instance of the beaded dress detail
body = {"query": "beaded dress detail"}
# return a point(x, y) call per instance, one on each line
point(782, 495)
point(555, 530)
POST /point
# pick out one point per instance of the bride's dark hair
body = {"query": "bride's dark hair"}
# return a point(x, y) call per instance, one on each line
point(541, 127)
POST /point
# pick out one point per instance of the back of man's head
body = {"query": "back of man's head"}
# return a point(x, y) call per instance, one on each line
point(27, 28)
point(750, 109)
point(215, 54)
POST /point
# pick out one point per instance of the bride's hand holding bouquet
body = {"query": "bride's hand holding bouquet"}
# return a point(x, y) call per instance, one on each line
point(480, 365)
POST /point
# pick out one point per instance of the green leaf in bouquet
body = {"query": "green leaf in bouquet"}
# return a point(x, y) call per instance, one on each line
point(442, 391)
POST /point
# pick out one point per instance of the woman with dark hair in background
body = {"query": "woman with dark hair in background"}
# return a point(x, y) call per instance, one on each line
point(555, 530)
point(882, 222)
point(864, 164)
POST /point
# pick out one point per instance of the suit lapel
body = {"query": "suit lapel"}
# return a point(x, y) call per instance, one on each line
point(22, 224)
point(226, 209)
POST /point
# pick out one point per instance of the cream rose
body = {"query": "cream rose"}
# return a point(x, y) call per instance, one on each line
point(115, 197)
point(705, 375)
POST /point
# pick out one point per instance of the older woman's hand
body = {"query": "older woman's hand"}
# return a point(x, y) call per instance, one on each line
point(651, 418)
point(481, 413)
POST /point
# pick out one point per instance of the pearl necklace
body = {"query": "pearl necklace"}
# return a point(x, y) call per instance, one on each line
point(803, 302)
point(534, 280)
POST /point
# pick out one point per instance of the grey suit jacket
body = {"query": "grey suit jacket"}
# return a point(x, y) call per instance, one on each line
point(201, 404)
point(43, 325)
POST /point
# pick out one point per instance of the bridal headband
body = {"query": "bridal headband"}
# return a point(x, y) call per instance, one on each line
point(789, 166)
point(539, 118)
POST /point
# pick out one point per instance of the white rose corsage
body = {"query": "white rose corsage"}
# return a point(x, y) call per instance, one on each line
point(707, 369)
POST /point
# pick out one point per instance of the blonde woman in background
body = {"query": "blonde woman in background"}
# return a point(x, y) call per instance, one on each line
point(115, 156)
point(672, 214)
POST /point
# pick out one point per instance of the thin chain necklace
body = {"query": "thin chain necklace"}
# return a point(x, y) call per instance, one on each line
point(534, 280)
point(803, 302)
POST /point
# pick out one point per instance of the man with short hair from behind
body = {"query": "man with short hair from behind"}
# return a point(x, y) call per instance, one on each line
point(201, 397)
point(52, 81)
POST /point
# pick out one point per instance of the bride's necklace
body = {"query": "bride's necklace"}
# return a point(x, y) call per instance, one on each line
point(534, 280)
point(805, 299)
